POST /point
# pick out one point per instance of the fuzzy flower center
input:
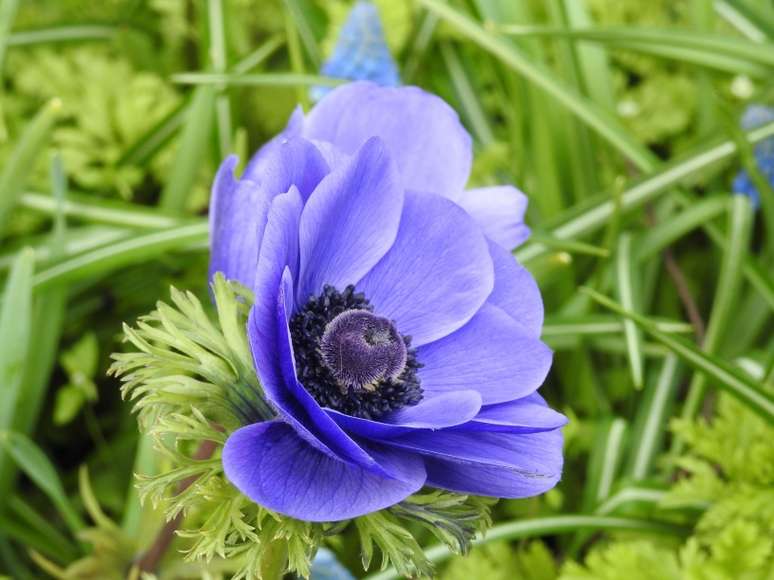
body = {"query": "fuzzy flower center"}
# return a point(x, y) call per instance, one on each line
point(352, 360)
point(361, 349)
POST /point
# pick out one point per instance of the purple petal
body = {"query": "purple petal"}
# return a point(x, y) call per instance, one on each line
point(237, 217)
point(433, 413)
point(495, 464)
point(284, 162)
point(491, 354)
point(515, 291)
point(279, 250)
point(437, 274)
point(276, 366)
point(333, 156)
point(350, 221)
point(239, 208)
point(530, 414)
point(274, 467)
point(263, 332)
point(423, 134)
point(310, 415)
point(266, 325)
point(500, 213)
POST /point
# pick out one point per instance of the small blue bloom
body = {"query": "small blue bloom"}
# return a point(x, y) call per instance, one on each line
point(755, 116)
point(361, 52)
point(326, 567)
point(393, 333)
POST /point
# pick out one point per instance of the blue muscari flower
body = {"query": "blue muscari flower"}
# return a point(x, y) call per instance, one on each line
point(326, 567)
point(755, 116)
point(361, 52)
point(394, 335)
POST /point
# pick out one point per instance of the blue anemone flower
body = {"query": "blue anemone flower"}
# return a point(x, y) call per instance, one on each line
point(755, 116)
point(361, 52)
point(393, 333)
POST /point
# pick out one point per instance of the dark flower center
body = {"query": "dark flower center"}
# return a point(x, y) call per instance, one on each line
point(352, 360)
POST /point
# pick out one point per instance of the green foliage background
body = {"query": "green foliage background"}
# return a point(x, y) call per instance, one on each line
point(619, 120)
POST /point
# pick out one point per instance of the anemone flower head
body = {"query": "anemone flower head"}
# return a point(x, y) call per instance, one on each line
point(393, 333)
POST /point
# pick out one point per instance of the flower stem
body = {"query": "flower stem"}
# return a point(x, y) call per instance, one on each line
point(273, 560)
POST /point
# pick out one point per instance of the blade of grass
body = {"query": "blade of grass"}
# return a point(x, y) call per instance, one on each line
point(470, 104)
point(47, 320)
point(19, 166)
point(667, 232)
point(595, 214)
point(15, 323)
point(729, 282)
point(604, 463)
point(13, 562)
point(42, 535)
point(217, 36)
point(218, 54)
point(768, 371)
point(574, 142)
point(752, 320)
point(593, 64)
point(650, 272)
point(296, 58)
point(419, 45)
point(75, 241)
point(631, 495)
point(14, 528)
point(105, 211)
point(606, 456)
point(276, 79)
point(694, 42)
point(625, 287)
point(544, 152)
point(758, 275)
point(299, 11)
point(8, 9)
point(601, 324)
point(697, 57)
point(758, 15)
point(62, 34)
point(191, 152)
point(703, 20)
point(31, 459)
point(145, 465)
point(544, 143)
point(739, 20)
point(651, 421)
point(136, 249)
point(725, 375)
point(605, 344)
point(258, 56)
point(569, 246)
point(596, 117)
point(538, 527)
